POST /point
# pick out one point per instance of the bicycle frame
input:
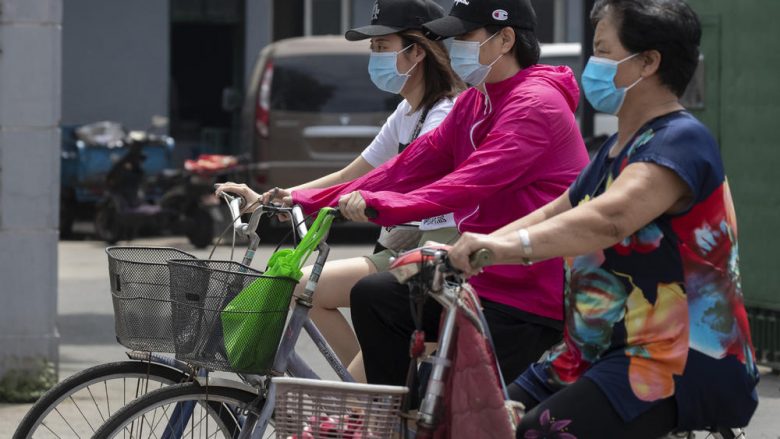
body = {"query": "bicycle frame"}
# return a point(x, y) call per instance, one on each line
point(286, 358)
point(438, 281)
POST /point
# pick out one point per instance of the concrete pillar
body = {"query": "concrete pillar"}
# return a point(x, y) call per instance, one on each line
point(30, 59)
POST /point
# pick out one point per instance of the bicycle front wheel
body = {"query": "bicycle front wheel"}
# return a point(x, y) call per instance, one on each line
point(80, 404)
point(183, 410)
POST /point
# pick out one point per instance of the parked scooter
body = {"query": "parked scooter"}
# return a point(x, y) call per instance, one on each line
point(175, 201)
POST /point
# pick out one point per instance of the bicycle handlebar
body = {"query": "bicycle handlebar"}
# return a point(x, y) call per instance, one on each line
point(481, 258)
point(236, 203)
point(478, 260)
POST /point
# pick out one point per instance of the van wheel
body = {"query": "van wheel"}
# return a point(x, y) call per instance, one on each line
point(200, 227)
point(107, 225)
point(67, 215)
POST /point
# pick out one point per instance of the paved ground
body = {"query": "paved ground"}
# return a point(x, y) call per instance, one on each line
point(87, 332)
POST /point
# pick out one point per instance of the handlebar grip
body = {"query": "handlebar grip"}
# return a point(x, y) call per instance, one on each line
point(371, 213)
point(481, 258)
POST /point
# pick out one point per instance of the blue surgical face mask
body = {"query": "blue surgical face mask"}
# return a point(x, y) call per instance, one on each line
point(598, 82)
point(464, 59)
point(383, 69)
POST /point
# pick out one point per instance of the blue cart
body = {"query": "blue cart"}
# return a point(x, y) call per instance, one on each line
point(87, 154)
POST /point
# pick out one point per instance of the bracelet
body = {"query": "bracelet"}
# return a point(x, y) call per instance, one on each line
point(525, 241)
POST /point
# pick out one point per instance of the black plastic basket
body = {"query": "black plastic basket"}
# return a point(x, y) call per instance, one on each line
point(205, 314)
point(140, 292)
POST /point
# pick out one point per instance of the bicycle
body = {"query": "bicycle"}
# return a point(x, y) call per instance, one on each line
point(306, 407)
point(428, 271)
point(77, 406)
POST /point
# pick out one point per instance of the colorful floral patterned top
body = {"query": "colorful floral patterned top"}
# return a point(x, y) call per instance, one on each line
point(661, 313)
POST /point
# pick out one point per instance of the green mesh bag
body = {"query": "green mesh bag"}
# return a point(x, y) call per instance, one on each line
point(252, 322)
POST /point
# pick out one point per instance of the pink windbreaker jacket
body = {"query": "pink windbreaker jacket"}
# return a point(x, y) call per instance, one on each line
point(493, 159)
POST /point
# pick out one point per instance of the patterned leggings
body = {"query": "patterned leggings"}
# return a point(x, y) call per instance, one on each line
point(582, 411)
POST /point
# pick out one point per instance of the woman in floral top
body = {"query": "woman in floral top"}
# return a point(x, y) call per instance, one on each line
point(657, 337)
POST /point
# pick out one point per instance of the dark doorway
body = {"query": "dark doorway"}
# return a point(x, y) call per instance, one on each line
point(207, 65)
point(288, 19)
point(545, 20)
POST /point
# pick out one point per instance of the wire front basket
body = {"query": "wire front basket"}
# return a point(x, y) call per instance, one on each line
point(227, 316)
point(140, 293)
point(315, 408)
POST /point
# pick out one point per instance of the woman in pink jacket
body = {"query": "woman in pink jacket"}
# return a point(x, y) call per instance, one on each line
point(509, 145)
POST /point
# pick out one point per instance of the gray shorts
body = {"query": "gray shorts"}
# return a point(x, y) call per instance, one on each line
point(446, 235)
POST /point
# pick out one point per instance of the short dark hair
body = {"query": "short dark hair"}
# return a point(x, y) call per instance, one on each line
point(526, 48)
point(669, 26)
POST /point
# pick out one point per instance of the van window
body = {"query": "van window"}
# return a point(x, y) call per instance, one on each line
point(327, 84)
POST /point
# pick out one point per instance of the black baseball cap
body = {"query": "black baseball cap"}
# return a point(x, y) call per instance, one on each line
point(468, 15)
point(391, 16)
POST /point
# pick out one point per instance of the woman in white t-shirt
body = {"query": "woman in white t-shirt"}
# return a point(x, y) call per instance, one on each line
point(404, 61)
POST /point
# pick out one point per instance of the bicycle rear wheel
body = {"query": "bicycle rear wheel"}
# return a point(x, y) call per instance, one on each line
point(214, 413)
point(728, 433)
point(80, 404)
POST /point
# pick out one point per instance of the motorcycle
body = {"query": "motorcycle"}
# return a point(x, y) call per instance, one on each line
point(178, 201)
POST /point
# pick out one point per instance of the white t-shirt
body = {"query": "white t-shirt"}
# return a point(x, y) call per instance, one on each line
point(399, 129)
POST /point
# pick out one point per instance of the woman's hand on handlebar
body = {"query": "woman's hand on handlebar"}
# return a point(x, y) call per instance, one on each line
point(250, 197)
point(353, 207)
point(468, 244)
point(277, 195)
point(254, 200)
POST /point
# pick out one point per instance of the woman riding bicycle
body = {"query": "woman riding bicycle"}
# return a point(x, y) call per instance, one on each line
point(657, 337)
point(510, 145)
point(402, 61)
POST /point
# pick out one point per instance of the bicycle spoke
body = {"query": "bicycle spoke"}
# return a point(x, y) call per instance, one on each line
point(94, 401)
point(200, 421)
point(164, 416)
point(66, 422)
point(82, 414)
point(124, 403)
point(108, 400)
point(151, 429)
point(43, 424)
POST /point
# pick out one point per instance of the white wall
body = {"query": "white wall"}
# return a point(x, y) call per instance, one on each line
point(115, 61)
point(30, 36)
point(258, 33)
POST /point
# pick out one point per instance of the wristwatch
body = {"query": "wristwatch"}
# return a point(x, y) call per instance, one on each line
point(525, 241)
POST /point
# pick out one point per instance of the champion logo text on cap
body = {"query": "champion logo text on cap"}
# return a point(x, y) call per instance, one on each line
point(500, 15)
point(469, 15)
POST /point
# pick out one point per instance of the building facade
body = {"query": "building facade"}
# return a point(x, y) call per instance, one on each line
point(190, 59)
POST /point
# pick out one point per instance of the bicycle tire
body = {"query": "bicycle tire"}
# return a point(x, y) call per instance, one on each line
point(728, 433)
point(66, 389)
point(133, 418)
